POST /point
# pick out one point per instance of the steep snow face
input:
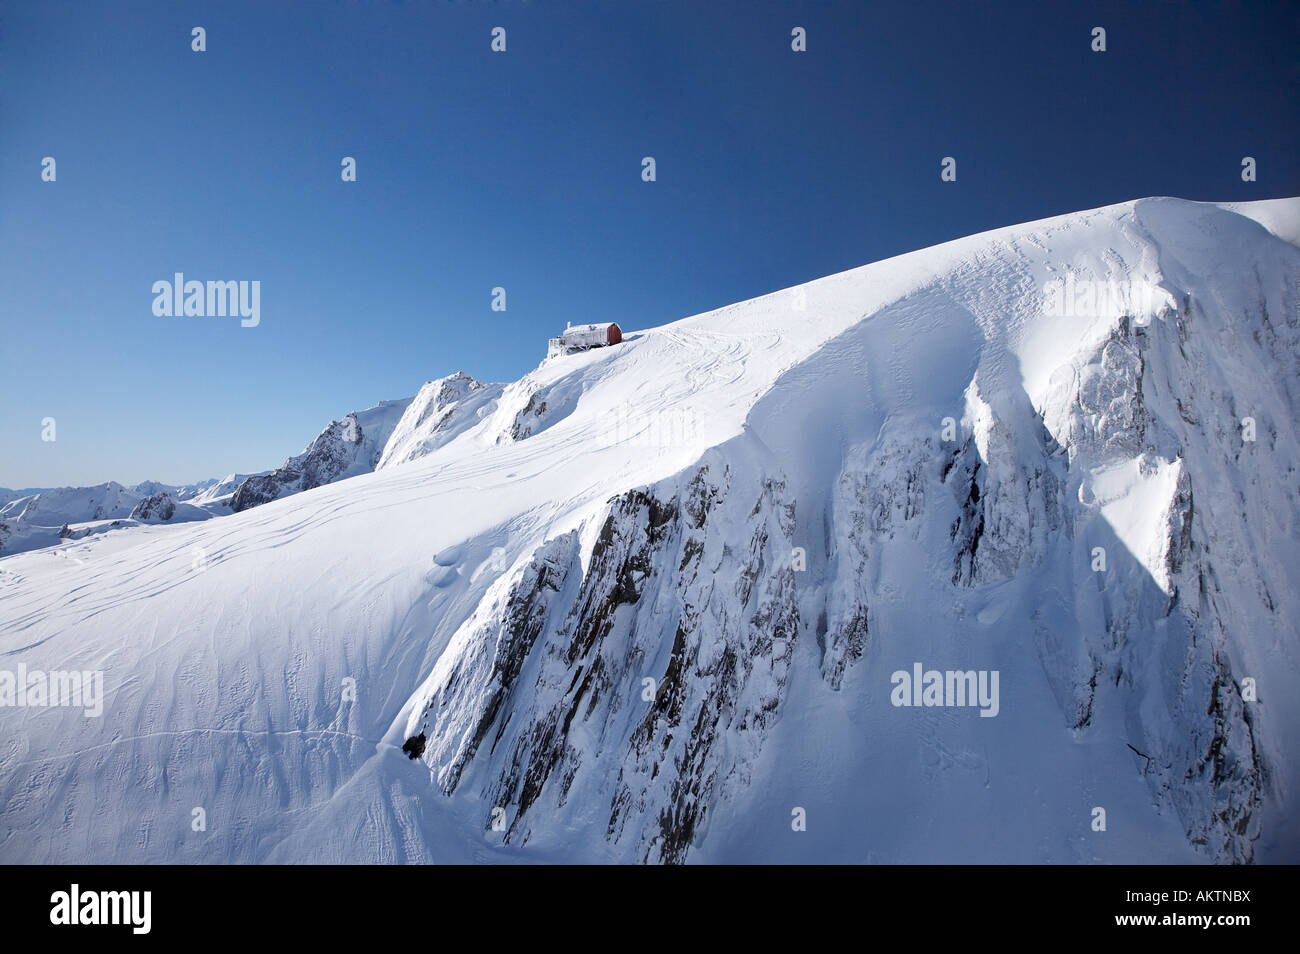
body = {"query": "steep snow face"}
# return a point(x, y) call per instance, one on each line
point(651, 604)
point(343, 449)
point(442, 411)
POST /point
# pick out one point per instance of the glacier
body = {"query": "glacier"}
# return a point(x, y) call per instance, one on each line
point(644, 604)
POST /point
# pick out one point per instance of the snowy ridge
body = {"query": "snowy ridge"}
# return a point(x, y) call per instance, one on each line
point(443, 410)
point(343, 449)
point(617, 646)
point(7, 495)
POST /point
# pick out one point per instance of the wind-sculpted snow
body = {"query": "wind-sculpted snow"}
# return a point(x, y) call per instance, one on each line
point(648, 603)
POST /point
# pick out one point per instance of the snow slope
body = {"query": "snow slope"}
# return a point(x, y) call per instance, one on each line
point(648, 603)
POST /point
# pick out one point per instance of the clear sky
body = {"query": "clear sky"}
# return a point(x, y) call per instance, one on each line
point(522, 170)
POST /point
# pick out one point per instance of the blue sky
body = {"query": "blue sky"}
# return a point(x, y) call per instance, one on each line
point(523, 170)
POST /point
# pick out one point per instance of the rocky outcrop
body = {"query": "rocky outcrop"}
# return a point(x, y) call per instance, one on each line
point(673, 647)
point(343, 449)
point(159, 507)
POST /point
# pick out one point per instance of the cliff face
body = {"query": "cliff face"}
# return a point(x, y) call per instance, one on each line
point(1107, 528)
point(672, 649)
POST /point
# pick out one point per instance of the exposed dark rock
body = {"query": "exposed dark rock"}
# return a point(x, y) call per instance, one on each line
point(414, 746)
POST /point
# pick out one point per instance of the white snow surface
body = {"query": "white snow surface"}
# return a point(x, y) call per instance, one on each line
point(632, 513)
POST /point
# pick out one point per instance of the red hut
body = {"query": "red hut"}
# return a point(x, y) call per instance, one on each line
point(581, 337)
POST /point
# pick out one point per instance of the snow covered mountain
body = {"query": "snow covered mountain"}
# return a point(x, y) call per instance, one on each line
point(41, 518)
point(188, 492)
point(216, 496)
point(387, 434)
point(343, 449)
point(7, 495)
point(442, 410)
point(73, 504)
point(665, 601)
